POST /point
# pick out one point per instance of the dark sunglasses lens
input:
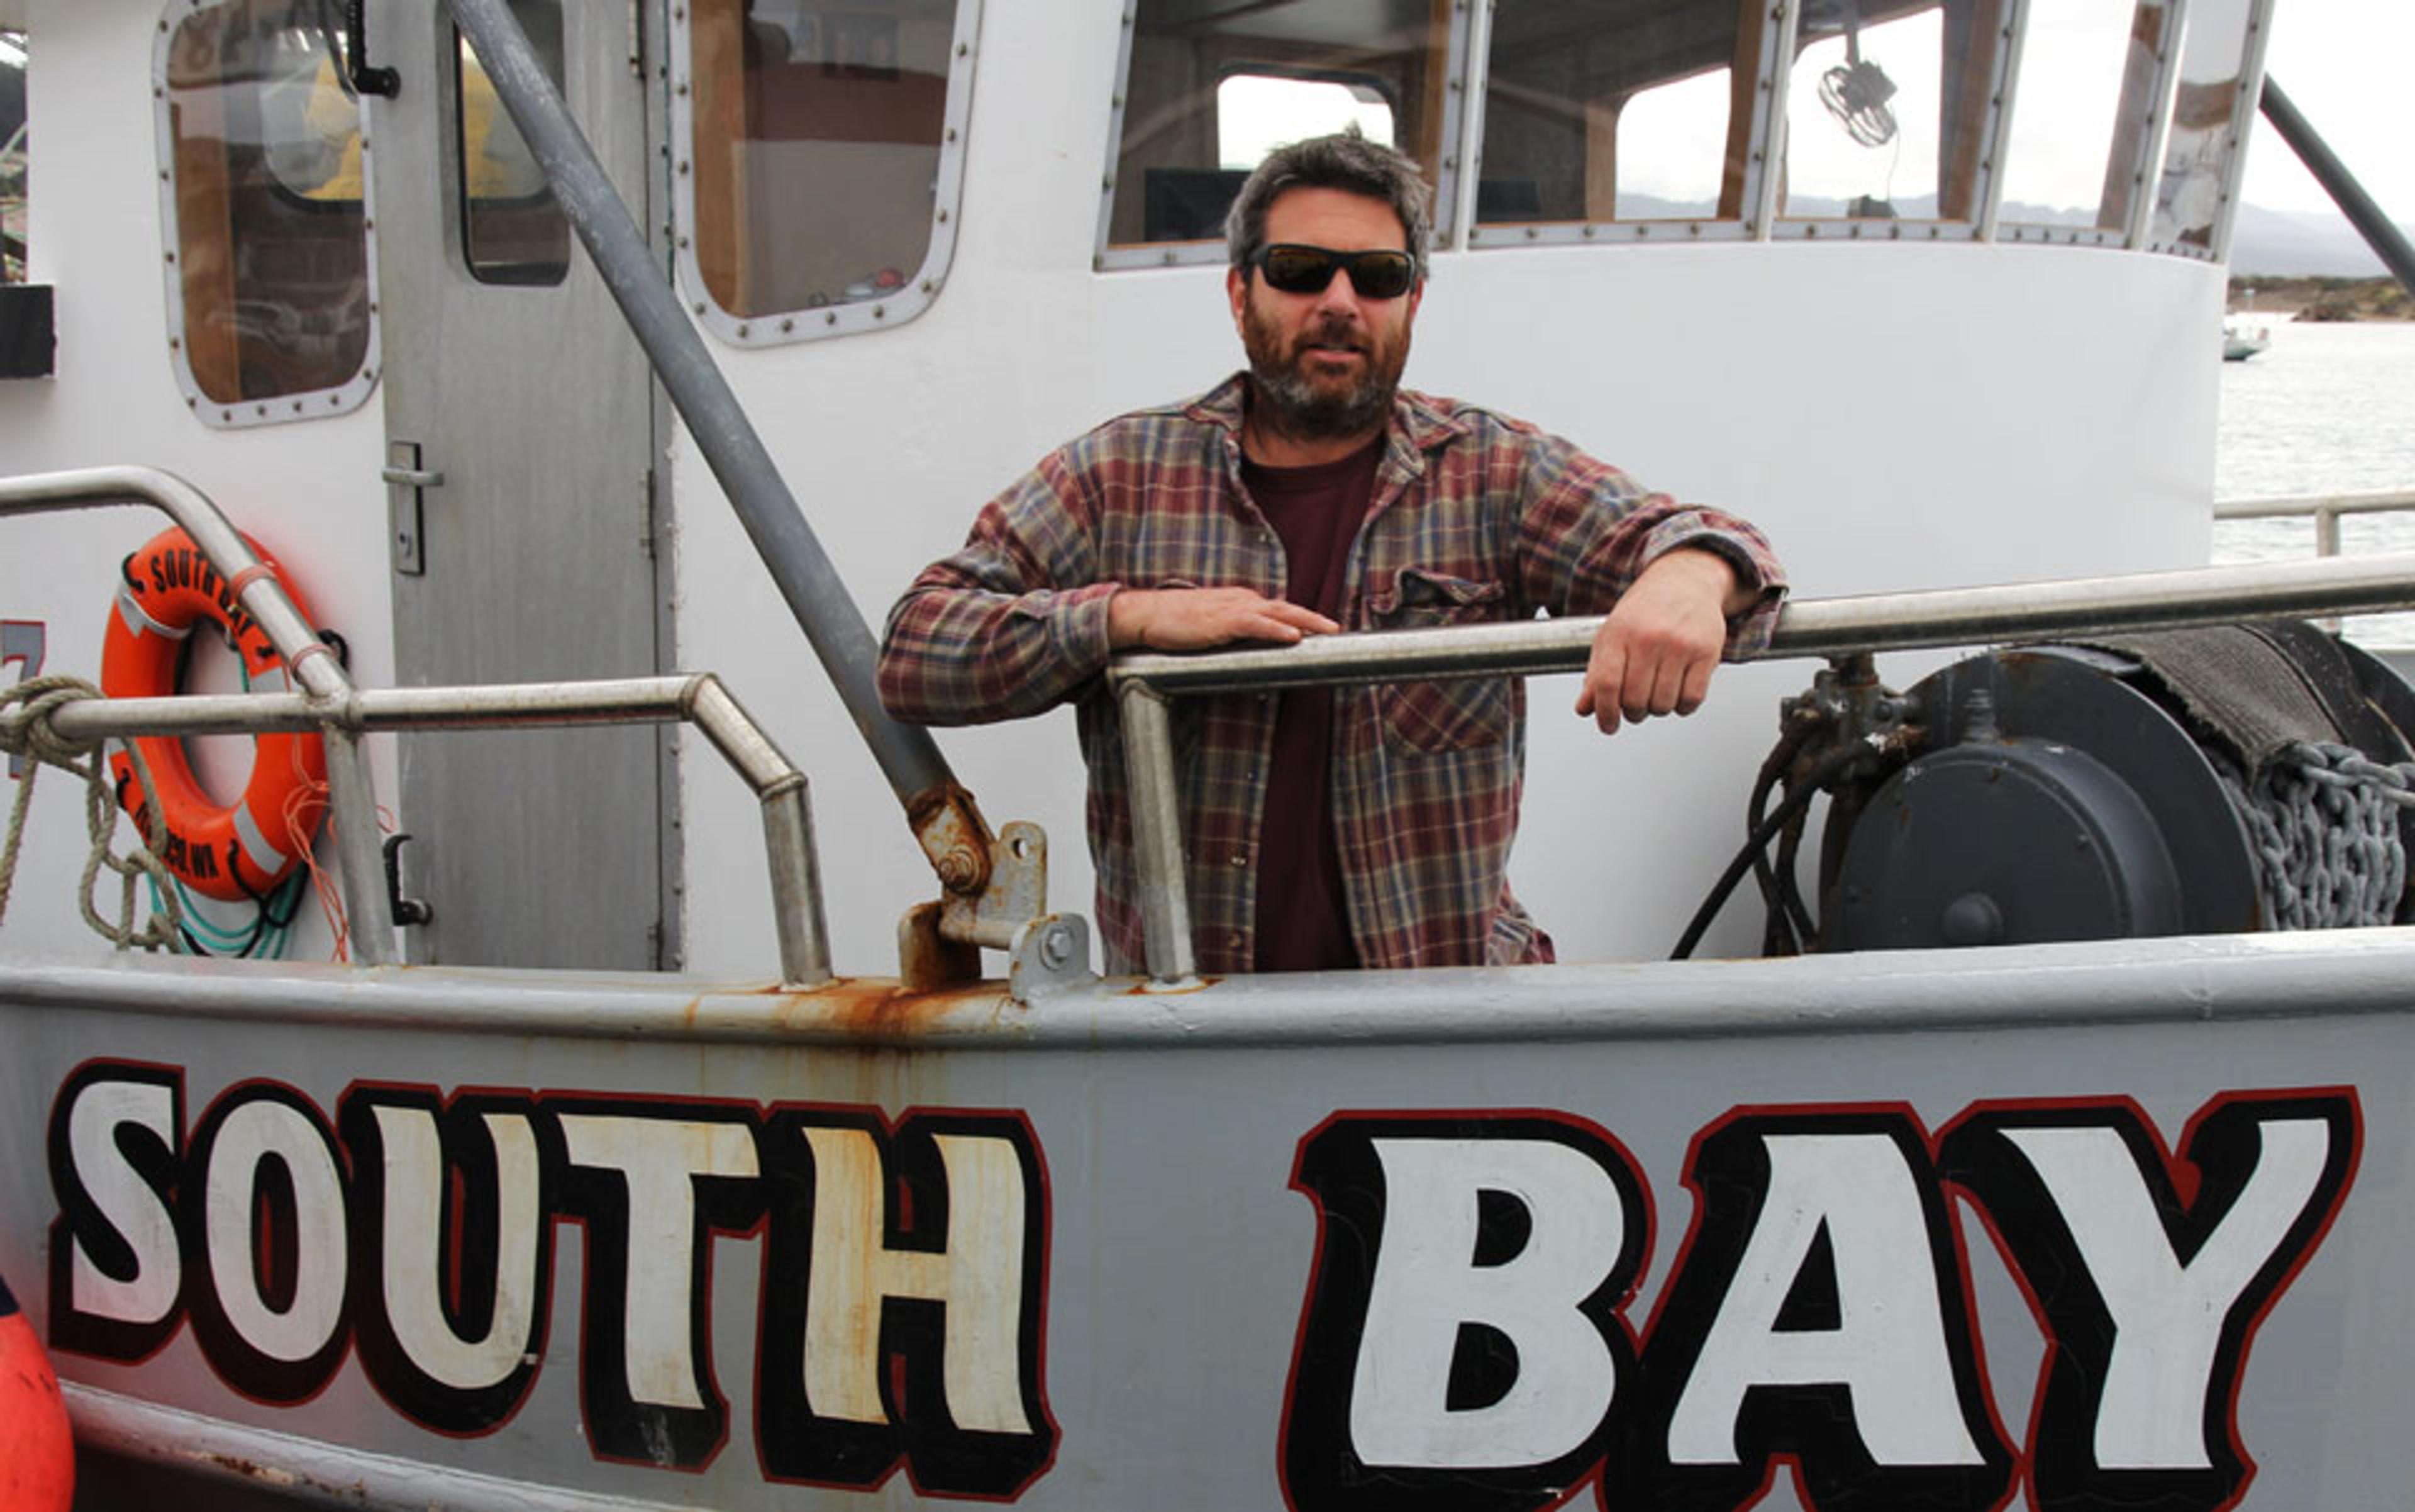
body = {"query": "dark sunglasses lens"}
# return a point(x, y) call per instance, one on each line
point(1382, 275)
point(1306, 270)
point(1299, 270)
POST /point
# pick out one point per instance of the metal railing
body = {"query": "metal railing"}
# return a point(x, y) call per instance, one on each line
point(342, 714)
point(1143, 684)
point(2325, 510)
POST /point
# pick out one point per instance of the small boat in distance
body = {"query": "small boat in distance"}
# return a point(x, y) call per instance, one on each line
point(2242, 339)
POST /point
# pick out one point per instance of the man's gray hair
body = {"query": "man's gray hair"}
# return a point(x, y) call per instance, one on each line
point(1346, 162)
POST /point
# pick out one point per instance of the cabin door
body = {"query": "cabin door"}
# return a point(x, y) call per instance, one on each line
point(520, 437)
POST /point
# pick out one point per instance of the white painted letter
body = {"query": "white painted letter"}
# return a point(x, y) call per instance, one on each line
point(659, 1160)
point(414, 1236)
point(2167, 1317)
point(1889, 1350)
point(978, 1276)
point(126, 1200)
point(1427, 1284)
point(258, 1131)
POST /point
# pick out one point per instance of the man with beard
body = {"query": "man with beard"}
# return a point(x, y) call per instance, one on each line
point(1328, 826)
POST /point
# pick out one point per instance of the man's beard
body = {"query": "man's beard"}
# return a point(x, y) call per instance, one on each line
point(1293, 404)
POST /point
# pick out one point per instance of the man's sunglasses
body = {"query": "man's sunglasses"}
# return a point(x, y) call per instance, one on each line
point(1297, 269)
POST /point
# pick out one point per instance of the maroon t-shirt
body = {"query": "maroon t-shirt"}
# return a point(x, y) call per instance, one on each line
point(1303, 916)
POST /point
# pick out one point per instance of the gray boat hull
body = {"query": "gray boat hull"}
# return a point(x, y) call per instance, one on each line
point(1807, 1223)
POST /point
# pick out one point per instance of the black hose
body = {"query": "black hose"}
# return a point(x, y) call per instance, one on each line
point(1799, 798)
point(1794, 911)
point(1791, 740)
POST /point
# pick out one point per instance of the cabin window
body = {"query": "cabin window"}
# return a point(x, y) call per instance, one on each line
point(823, 155)
point(12, 157)
point(512, 230)
point(2192, 212)
point(1208, 89)
point(264, 184)
point(1628, 111)
point(1890, 107)
point(2081, 120)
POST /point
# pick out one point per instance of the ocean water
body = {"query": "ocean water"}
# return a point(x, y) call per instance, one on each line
point(2325, 409)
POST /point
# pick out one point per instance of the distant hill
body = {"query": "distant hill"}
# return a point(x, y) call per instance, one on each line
point(2321, 244)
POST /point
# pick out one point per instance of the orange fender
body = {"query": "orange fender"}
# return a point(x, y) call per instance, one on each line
point(36, 1456)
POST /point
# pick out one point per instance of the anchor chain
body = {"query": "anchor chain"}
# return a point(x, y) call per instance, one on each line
point(37, 738)
point(2323, 822)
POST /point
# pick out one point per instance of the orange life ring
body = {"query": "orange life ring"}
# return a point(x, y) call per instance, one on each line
point(236, 851)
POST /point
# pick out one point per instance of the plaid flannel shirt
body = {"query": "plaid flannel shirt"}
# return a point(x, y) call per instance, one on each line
point(1475, 518)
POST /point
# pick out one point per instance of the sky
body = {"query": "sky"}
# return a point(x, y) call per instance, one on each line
point(2344, 64)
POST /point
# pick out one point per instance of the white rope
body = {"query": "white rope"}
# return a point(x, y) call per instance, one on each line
point(39, 740)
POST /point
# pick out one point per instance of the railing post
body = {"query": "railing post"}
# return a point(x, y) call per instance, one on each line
point(1157, 835)
point(796, 885)
point(788, 846)
point(2327, 531)
point(360, 861)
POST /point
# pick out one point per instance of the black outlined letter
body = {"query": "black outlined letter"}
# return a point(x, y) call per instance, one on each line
point(117, 1273)
point(1461, 1347)
point(1821, 1310)
point(452, 1250)
point(654, 1182)
point(2150, 1297)
point(266, 1243)
point(903, 1287)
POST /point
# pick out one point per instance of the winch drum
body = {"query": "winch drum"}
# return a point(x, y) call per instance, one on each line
point(2060, 794)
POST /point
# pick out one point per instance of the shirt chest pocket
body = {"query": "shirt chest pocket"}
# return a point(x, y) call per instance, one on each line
point(1457, 715)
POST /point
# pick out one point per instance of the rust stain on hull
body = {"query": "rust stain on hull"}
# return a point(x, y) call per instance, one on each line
point(872, 1007)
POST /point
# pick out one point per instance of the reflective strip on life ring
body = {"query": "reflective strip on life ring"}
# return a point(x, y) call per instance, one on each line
point(129, 612)
point(220, 850)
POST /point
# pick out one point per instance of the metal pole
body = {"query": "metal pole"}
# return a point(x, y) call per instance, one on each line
point(816, 595)
point(788, 847)
point(1157, 835)
point(790, 851)
point(700, 699)
point(360, 858)
point(1821, 627)
point(2388, 242)
point(2304, 506)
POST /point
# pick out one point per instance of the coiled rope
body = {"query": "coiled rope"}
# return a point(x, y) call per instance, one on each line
point(38, 739)
point(2323, 822)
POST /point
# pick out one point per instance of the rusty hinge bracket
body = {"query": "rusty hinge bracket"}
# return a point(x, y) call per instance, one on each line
point(993, 886)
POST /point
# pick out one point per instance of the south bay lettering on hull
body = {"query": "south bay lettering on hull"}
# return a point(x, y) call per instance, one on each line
point(1468, 1335)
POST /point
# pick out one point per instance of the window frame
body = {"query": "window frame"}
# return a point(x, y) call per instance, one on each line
point(1986, 182)
point(1758, 189)
point(467, 208)
point(1449, 131)
point(2243, 109)
point(911, 298)
point(240, 414)
point(1760, 221)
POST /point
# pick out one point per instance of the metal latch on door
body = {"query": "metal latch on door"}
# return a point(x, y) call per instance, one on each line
point(406, 507)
